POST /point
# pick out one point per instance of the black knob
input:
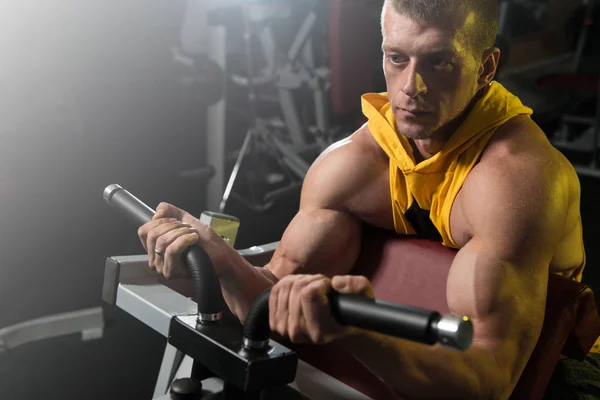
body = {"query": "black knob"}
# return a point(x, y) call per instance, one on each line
point(186, 389)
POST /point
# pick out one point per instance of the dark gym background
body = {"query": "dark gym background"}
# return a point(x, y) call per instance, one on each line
point(89, 96)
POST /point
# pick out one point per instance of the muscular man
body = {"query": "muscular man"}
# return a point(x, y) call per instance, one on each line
point(446, 140)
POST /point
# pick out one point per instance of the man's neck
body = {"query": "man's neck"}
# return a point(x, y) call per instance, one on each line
point(424, 149)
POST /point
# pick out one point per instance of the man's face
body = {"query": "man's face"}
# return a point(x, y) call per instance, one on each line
point(430, 71)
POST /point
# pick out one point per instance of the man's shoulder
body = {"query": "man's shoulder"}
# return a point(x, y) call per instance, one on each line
point(364, 145)
point(523, 194)
point(521, 150)
point(345, 169)
point(521, 167)
point(357, 153)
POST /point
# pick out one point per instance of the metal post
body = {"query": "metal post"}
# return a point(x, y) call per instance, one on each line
point(216, 122)
point(236, 168)
point(504, 11)
point(321, 106)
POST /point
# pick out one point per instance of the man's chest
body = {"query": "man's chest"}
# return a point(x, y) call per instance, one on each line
point(373, 204)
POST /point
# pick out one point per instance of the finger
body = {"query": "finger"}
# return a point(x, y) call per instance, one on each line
point(172, 257)
point(156, 233)
point(146, 228)
point(157, 262)
point(143, 233)
point(169, 236)
point(282, 310)
point(166, 210)
point(352, 284)
point(296, 325)
point(315, 307)
point(273, 304)
point(164, 241)
point(279, 304)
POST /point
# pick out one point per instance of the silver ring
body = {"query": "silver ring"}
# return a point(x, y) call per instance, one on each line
point(158, 253)
point(209, 317)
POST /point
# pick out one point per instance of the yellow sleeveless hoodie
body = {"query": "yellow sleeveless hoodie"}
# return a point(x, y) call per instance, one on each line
point(435, 182)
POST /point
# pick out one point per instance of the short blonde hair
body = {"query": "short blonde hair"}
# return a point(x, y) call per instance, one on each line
point(486, 11)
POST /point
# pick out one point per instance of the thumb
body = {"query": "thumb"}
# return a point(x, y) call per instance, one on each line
point(350, 284)
point(166, 210)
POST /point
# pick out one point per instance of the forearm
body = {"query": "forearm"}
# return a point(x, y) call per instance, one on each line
point(241, 283)
point(417, 371)
point(308, 246)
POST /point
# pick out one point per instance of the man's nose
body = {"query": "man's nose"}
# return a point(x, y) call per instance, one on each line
point(413, 84)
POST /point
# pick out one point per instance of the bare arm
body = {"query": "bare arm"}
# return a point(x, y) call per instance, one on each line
point(322, 238)
point(516, 217)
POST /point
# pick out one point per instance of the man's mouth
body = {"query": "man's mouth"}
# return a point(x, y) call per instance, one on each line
point(413, 112)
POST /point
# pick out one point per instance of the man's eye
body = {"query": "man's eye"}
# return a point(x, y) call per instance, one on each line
point(395, 59)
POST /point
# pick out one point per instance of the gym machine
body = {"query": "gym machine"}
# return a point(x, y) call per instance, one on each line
point(202, 53)
point(560, 86)
point(298, 133)
point(231, 361)
point(293, 86)
point(568, 137)
point(88, 322)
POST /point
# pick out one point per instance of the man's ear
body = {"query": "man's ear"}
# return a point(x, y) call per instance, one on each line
point(489, 65)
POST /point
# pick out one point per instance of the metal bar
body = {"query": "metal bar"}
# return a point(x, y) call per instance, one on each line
point(274, 195)
point(584, 143)
point(114, 274)
point(259, 255)
point(302, 37)
point(216, 123)
point(588, 171)
point(308, 55)
point(321, 106)
point(140, 294)
point(166, 371)
point(258, 250)
point(268, 43)
point(578, 119)
point(291, 118)
point(294, 161)
point(89, 322)
point(504, 9)
point(322, 116)
point(248, 34)
point(154, 304)
point(236, 170)
point(294, 167)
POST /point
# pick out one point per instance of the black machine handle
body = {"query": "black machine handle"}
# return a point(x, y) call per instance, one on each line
point(208, 289)
point(411, 323)
point(402, 321)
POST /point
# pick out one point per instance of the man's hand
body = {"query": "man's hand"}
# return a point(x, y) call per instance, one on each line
point(172, 231)
point(299, 307)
